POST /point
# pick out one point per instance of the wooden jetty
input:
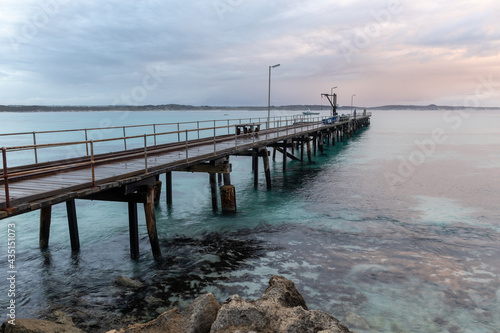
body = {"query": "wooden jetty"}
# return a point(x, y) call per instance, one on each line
point(127, 168)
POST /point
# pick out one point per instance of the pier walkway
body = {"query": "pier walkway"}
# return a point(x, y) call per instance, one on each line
point(127, 168)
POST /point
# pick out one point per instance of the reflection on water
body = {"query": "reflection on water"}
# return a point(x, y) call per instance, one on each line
point(421, 256)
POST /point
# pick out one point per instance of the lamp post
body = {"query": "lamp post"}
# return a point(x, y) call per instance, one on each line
point(269, 95)
point(331, 90)
point(351, 101)
point(334, 100)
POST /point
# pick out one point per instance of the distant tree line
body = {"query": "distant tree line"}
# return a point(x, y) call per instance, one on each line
point(178, 107)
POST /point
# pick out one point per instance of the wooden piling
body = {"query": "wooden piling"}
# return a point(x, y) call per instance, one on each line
point(157, 189)
point(309, 157)
point(169, 187)
point(315, 139)
point(274, 153)
point(284, 155)
point(227, 178)
point(255, 166)
point(73, 225)
point(321, 143)
point(133, 230)
point(149, 210)
point(45, 219)
point(267, 170)
point(228, 198)
point(213, 189)
point(302, 148)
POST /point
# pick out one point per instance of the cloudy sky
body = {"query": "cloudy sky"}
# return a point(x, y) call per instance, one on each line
point(218, 52)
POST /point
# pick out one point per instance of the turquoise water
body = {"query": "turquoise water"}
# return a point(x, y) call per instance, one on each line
point(400, 225)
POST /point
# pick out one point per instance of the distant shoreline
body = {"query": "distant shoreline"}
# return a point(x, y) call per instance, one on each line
point(177, 107)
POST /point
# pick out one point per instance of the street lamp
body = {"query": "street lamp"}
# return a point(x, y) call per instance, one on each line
point(269, 95)
point(351, 101)
point(331, 90)
point(334, 101)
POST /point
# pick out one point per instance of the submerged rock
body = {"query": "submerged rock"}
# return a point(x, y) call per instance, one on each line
point(354, 320)
point(128, 283)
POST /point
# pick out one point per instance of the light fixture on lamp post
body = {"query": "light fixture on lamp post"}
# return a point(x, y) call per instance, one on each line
point(269, 95)
point(351, 101)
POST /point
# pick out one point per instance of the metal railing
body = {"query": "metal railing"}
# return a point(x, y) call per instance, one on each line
point(180, 138)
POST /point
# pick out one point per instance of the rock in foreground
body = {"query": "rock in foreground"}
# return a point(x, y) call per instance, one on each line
point(58, 323)
point(280, 309)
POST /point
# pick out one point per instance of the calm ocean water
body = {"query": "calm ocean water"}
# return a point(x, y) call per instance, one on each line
point(400, 226)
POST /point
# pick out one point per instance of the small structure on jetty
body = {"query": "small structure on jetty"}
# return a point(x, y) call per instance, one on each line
point(127, 168)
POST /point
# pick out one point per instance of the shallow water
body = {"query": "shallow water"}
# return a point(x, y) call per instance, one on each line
point(399, 225)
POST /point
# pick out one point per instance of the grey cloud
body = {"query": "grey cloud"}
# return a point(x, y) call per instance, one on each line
point(93, 51)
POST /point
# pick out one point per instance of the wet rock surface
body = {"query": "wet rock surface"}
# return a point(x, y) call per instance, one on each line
point(58, 322)
point(280, 309)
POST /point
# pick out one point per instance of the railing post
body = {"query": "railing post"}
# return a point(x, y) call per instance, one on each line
point(187, 156)
point(178, 133)
point(86, 142)
point(145, 153)
point(92, 162)
point(5, 177)
point(34, 144)
point(214, 138)
point(154, 131)
point(228, 127)
point(124, 138)
point(198, 128)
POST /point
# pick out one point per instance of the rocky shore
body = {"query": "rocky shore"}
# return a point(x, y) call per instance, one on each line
point(281, 308)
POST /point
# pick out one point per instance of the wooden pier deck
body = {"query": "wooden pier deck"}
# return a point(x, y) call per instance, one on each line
point(132, 175)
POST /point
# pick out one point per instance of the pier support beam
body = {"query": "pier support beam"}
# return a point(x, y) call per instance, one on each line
point(228, 198)
point(302, 148)
point(309, 157)
point(267, 169)
point(157, 188)
point(133, 230)
point(45, 219)
point(255, 166)
point(315, 141)
point(284, 155)
point(149, 210)
point(73, 225)
point(168, 176)
point(227, 178)
point(213, 190)
point(321, 143)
